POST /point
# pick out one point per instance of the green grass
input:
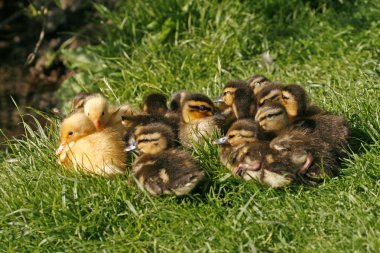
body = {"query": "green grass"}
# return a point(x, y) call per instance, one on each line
point(329, 47)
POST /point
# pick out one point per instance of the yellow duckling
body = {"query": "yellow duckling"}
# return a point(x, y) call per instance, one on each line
point(161, 168)
point(102, 114)
point(198, 119)
point(90, 151)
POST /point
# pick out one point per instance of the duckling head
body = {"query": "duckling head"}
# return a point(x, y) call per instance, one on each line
point(257, 83)
point(241, 132)
point(155, 103)
point(270, 93)
point(73, 128)
point(197, 106)
point(229, 92)
point(294, 99)
point(272, 117)
point(152, 139)
point(96, 109)
point(79, 100)
point(177, 100)
point(244, 103)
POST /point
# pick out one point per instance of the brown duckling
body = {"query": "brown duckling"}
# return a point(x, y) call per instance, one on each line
point(245, 151)
point(161, 168)
point(243, 143)
point(292, 96)
point(155, 103)
point(276, 169)
point(237, 102)
point(272, 118)
point(90, 151)
point(177, 101)
point(325, 159)
point(296, 102)
point(324, 137)
point(131, 122)
point(257, 83)
point(269, 93)
point(244, 103)
point(229, 89)
point(198, 119)
point(78, 101)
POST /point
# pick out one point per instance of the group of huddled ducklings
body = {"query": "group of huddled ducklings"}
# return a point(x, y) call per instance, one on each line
point(273, 136)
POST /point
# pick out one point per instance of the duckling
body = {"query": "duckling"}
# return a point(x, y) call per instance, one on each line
point(269, 93)
point(103, 115)
point(131, 122)
point(243, 143)
point(78, 101)
point(296, 102)
point(257, 83)
point(236, 102)
point(272, 118)
point(198, 119)
point(244, 104)
point(229, 92)
point(325, 136)
point(155, 103)
point(90, 151)
point(277, 170)
point(177, 101)
point(292, 96)
point(161, 168)
point(325, 160)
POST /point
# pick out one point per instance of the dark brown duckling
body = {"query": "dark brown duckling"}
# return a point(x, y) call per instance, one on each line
point(177, 101)
point(244, 103)
point(324, 136)
point(78, 101)
point(257, 83)
point(199, 119)
point(325, 161)
point(131, 122)
point(243, 143)
point(296, 102)
point(276, 169)
point(229, 89)
point(272, 118)
point(161, 168)
point(227, 98)
point(270, 93)
point(293, 97)
point(155, 103)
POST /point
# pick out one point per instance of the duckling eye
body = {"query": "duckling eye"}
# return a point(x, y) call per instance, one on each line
point(102, 113)
point(71, 133)
point(202, 108)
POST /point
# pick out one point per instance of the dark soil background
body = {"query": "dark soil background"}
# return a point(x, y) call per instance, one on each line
point(31, 69)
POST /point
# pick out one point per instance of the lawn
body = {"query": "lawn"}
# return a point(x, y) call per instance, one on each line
point(331, 48)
